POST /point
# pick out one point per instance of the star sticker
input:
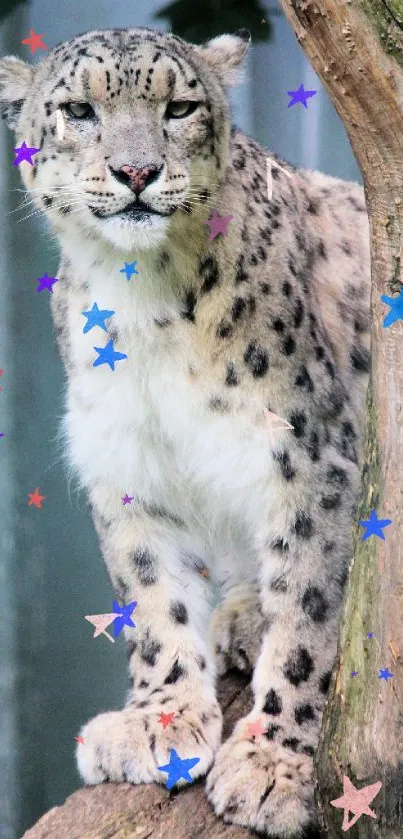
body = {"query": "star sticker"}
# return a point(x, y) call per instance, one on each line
point(96, 317)
point(129, 269)
point(127, 499)
point(356, 801)
point(255, 729)
point(124, 618)
point(177, 768)
point(36, 499)
point(24, 152)
point(79, 739)
point(165, 719)
point(107, 355)
point(46, 282)
point(101, 622)
point(269, 163)
point(396, 308)
point(205, 573)
point(300, 95)
point(273, 424)
point(34, 41)
point(385, 674)
point(370, 634)
point(218, 224)
point(1, 435)
point(354, 673)
point(374, 526)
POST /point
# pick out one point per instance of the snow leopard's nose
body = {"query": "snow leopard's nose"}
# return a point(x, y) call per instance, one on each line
point(137, 179)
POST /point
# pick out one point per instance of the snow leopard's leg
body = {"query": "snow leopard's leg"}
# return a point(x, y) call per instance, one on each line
point(236, 628)
point(266, 782)
point(171, 666)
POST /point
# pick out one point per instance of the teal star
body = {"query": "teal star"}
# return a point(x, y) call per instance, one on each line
point(96, 317)
point(396, 310)
point(177, 768)
point(107, 355)
point(129, 269)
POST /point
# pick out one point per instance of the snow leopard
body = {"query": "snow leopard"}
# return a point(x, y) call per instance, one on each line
point(214, 405)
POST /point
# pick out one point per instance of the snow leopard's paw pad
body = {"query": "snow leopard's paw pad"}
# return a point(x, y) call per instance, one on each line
point(262, 785)
point(235, 630)
point(129, 745)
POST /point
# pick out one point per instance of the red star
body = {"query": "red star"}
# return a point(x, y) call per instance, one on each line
point(36, 498)
point(34, 41)
point(79, 739)
point(166, 719)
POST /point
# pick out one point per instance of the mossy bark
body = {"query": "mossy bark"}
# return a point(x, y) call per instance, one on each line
point(356, 48)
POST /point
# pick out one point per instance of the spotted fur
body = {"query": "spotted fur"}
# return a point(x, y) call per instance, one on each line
point(275, 315)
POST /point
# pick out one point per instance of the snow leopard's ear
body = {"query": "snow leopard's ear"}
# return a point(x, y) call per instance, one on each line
point(15, 80)
point(225, 54)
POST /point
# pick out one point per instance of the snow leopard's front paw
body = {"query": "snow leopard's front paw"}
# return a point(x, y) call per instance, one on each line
point(262, 785)
point(129, 745)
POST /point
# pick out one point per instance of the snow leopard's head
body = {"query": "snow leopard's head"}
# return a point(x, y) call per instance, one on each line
point(133, 129)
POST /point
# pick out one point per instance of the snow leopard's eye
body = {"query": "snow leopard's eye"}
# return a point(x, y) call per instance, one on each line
point(178, 110)
point(79, 110)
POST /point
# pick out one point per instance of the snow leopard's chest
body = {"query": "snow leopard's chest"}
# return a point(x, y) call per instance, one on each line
point(151, 427)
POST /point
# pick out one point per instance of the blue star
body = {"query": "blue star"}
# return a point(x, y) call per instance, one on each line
point(177, 768)
point(96, 317)
point(124, 618)
point(385, 674)
point(396, 310)
point(107, 355)
point(374, 526)
point(129, 269)
point(300, 95)
point(370, 634)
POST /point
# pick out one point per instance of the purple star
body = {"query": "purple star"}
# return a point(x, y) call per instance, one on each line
point(1, 435)
point(370, 634)
point(127, 499)
point(385, 674)
point(300, 95)
point(354, 673)
point(218, 224)
point(46, 282)
point(24, 152)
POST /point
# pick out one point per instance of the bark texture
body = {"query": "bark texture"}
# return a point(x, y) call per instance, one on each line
point(356, 48)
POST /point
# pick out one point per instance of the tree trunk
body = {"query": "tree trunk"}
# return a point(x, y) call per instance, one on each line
point(123, 811)
point(356, 48)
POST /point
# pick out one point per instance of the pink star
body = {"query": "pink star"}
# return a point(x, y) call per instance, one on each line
point(255, 729)
point(218, 224)
point(101, 622)
point(24, 152)
point(275, 423)
point(79, 739)
point(127, 499)
point(356, 801)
